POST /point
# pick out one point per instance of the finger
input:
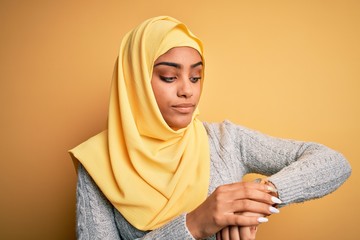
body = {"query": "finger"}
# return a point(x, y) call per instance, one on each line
point(246, 233)
point(251, 214)
point(241, 220)
point(253, 231)
point(240, 206)
point(218, 236)
point(234, 233)
point(225, 233)
point(252, 185)
point(241, 192)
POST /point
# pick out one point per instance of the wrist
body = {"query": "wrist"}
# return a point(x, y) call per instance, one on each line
point(191, 225)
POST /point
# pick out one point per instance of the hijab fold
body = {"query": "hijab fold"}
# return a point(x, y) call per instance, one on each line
point(148, 171)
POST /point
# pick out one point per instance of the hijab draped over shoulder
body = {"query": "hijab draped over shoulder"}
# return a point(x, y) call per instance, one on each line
point(148, 171)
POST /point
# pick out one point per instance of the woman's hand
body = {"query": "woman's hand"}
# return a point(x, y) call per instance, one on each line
point(237, 233)
point(222, 208)
point(245, 233)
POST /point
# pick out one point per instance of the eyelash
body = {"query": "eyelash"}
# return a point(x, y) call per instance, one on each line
point(167, 79)
point(195, 79)
point(171, 79)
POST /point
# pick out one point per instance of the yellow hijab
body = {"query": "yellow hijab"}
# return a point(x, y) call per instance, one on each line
point(148, 171)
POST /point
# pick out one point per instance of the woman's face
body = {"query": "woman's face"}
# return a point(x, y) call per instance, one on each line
point(176, 82)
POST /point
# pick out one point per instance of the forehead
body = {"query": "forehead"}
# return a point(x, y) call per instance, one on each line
point(180, 55)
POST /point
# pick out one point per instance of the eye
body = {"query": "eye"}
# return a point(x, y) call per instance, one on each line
point(195, 79)
point(167, 79)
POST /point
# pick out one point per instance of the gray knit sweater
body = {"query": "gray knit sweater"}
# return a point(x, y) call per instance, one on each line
point(300, 170)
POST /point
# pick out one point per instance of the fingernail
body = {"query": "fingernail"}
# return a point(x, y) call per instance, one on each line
point(262, 220)
point(275, 200)
point(271, 189)
point(274, 210)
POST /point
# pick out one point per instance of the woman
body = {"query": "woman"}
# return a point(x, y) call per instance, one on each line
point(157, 172)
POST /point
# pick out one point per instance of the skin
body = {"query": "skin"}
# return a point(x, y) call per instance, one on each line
point(243, 233)
point(176, 82)
point(238, 233)
point(228, 207)
point(232, 211)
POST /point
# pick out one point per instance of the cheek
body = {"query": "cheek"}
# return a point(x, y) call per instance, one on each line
point(156, 88)
point(161, 95)
point(197, 92)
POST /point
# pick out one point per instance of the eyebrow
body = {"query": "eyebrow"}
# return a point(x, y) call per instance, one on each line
point(176, 65)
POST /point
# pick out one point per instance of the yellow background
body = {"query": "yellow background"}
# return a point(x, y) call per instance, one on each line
point(287, 68)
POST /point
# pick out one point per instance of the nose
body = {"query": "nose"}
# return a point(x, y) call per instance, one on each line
point(185, 88)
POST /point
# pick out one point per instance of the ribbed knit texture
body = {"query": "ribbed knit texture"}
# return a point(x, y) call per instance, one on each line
point(300, 170)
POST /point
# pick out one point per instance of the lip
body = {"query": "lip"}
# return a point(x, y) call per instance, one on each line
point(184, 108)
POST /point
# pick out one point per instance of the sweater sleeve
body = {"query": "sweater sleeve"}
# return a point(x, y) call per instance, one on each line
point(175, 229)
point(96, 218)
point(300, 170)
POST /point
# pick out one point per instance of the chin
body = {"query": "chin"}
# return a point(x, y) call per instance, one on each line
point(178, 125)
